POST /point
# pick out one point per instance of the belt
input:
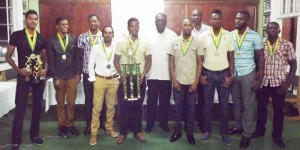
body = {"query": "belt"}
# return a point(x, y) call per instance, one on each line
point(108, 77)
point(219, 71)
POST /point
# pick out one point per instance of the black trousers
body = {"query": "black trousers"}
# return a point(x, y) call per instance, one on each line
point(21, 103)
point(263, 95)
point(158, 90)
point(130, 112)
point(89, 94)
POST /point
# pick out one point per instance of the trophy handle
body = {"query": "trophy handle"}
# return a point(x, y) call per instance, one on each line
point(124, 70)
point(138, 79)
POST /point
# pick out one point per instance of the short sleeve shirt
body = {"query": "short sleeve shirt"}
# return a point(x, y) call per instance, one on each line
point(186, 66)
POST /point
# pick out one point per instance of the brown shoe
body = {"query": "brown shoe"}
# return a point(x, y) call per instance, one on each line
point(112, 133)
point(93, 140)
point(121, 139)
point(140, 137)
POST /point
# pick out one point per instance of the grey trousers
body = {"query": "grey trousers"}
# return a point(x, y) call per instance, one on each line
point(243, 97)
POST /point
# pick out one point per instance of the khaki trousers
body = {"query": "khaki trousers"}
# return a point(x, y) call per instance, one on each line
point(104, 88)
point(67, 91)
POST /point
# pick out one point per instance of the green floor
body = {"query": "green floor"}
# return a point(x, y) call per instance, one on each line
point(157, 140)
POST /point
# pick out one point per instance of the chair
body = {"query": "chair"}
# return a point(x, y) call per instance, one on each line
point(292, 98)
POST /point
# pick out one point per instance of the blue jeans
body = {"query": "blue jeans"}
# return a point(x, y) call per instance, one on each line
point(214, 80)
point(184, 96)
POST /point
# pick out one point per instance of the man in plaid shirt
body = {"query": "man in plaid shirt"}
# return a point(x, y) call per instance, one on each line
point(279, 54)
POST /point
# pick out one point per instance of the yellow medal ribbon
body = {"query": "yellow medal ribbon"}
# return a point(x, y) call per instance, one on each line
point(185, 48)
point(62, 44)
point(134, 45)
point(241, 40)
point(216, 39)
point(108, 55)
point(31, 42)
point(94, 41)
point(272, 49)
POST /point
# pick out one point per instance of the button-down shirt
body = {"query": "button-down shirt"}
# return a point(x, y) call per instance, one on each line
point(85, 43)
point(211, 61)
point(98, 62)
point(276, 65)
point(140, 54)
point(186, 66)
point(203, 28)
point(159, 45)
point(244, 56)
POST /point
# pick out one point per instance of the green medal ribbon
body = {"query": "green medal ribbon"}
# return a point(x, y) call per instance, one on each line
point(241, 40)
point(216, 39)
point(272, 49)
point(94, 41)
point(62, 44)
point(185, 48)
point(31, 42)
point(108, 55)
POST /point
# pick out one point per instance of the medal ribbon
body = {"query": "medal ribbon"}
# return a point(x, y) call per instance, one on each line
point(135, 45)
point(272, 49)
point(62, 44)
point(187, 46)
point(241, 40)
point(216, 39)
point(31, 42)
point(94, 41)
point(108, 55)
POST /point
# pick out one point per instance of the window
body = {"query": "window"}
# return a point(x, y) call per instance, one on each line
point(6, 24)
point(289, 8)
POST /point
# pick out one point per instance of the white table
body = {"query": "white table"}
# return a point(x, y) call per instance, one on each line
point(7, 97)
point(49, 94)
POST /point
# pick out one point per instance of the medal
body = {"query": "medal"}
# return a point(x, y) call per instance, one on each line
point(64, 56)
point(216, 53)
point(32, 56)
point(108, 66)
point(238, 53)
point(183, 60)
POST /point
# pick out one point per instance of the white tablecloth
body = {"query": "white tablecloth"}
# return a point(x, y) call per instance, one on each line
point(49, 94)
point(7, 97)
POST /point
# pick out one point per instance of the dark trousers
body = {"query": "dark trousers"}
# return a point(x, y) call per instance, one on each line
point(130, 117)
point(214, 81)
point(158, 90)
point(199, 106)
point(263, 95)
point(89, 94)
point(21, 103)
point(181, 97)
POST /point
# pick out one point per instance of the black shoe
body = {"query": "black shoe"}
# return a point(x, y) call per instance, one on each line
point(73, 131)
point(63, 131)
point(245, 142)
point(87, 131)
point(148, 128)
point(175, 137)
point(257, 133)
point(191, 139)
point(279, 142)
point(165, 127)
point(37, 141)
point(235, 130)
point(15, 147)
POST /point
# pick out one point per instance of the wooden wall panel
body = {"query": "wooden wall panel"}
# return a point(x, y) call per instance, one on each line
point(77, 12)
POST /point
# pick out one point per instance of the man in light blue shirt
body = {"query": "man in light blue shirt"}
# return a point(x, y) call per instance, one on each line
point(248, 47)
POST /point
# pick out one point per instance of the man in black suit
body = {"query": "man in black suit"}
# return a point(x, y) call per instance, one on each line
point(64, 62)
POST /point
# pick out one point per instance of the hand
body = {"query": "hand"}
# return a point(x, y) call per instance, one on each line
point(57, 83)
point(77, 78)
point(142, 77)
point(283, 88)
point(123, 78)
point(203, 80)
point(24, 72)
point(42, 72)
point(228, 81)
point(176, 85)
point(193, 87)
point(256, 84)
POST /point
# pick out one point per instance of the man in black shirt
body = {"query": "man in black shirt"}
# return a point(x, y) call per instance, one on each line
point(64, 64)
point(31, 48)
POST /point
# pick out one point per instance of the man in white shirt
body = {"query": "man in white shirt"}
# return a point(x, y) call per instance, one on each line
point(104, 75)
point(158, 77)
point(199, 27)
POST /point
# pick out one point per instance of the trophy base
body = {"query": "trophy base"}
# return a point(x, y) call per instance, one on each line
point(132, 99)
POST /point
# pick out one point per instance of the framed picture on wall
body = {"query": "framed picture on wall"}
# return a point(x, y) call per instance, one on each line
point(266, 19)
point(265, 35)
point(25, 6)
point(267, 6)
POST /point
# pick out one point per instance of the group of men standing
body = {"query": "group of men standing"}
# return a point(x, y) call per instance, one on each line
point(200, 60)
